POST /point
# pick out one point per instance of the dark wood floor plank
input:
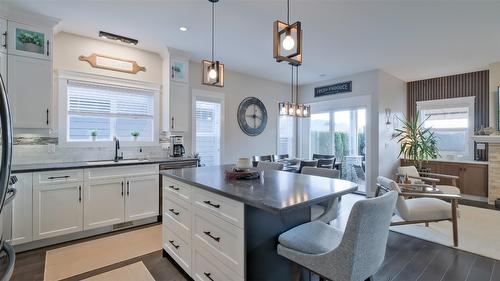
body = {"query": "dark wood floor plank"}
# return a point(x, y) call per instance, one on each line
point(437, 268)
point(461, 267)
point(481, 269)
point(495, 275)
point(418, 263)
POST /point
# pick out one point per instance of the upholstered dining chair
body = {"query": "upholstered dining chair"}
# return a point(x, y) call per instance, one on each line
point(433, 179)
point(353, 255)
point(277, 157)
point(307, 163)
point(264, 165)
point(325, 211)
point(257, 159)
point(326, 163)
point(422, 207)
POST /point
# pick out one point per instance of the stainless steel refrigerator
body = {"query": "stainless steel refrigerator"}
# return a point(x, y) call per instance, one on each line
point(7, 193)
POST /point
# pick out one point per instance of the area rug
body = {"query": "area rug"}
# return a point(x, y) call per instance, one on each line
point(82, 257)
point(478, 231)
point(133, 272)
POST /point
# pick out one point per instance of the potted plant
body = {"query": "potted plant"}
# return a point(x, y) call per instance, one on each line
point(93, 134)
point(32, 41)
point(135, 134)
point(417, 143)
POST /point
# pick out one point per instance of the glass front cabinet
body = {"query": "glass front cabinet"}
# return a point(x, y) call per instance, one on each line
point(3, 35)
point(29, 41)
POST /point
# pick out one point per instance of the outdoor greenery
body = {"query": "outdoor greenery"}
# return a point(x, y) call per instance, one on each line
point(341, 145)
point(417, 143)
point(135, 134)
point(93, 133)
point(30, 37)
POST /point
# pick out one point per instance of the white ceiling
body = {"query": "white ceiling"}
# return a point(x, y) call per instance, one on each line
point(410, 39)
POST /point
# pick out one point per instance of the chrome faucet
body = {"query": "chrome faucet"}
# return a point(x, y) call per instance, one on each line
point(117, 147)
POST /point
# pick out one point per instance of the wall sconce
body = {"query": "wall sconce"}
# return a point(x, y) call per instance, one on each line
point(117, 37)
point(287, 42)
point(213, 73)
point(388, 116)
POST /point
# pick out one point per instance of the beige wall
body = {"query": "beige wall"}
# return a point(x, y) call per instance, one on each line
point(237, 87)
point(68, 47)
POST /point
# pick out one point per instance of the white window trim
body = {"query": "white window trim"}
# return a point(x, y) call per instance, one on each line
point(202, 95)
point(468, 102)
point(62, 78)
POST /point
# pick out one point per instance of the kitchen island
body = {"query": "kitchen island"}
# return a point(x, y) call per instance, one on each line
point(221, 229)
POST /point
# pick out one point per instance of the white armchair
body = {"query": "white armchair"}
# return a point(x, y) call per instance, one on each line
point(433, 179)
point(422, 207)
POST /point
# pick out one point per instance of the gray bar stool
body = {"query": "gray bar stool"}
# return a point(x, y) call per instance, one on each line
point(324, 211)
point(353, 255)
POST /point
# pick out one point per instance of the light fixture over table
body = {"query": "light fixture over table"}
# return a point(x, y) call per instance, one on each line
point(213, 70)
point(287, 40)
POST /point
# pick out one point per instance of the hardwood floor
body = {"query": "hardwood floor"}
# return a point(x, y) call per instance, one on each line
point(406, 259)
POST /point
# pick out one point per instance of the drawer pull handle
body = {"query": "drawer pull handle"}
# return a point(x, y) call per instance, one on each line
point(217, 239)
point(58, 177)
point(173, 244)
point(80, 193)
point(208, 275)
point(173, 187)
point(174, 212)
point(212, 204)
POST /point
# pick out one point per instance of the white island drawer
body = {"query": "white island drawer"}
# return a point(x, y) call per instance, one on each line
point(176, 188)
point(177, 216)
point(227, 209)
point(178, 248)
point(208, 268)
point(222, 239)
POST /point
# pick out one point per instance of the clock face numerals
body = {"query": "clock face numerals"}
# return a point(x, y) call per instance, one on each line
point(252, 116)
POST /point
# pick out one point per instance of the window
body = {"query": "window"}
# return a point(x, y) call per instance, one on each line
point(208, 132)
point(285, 138)
point(451, 121)
point(108, 111)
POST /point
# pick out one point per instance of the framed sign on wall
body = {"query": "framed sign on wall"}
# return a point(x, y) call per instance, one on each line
point(344, 87)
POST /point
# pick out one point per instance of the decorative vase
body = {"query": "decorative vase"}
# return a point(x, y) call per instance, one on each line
point(31, 47)
point(135, 138)
point(94, 138)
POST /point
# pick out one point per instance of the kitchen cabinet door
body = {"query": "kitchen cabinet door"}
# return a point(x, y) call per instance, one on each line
point(103, 202)
point(22, 210)
point(29, 41)
point(142, 197)
point(179, 107)
point(57, 209)
point(3, 34)
point(30, 91)
point(475, 180)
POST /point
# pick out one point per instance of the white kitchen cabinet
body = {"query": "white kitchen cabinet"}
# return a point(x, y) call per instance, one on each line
point(118, 194)
point(22, 210)
point(3, 34)
point(3, 68)
point(142, 197)
point(179, 107)
point(30, 91)
point(57, 203)
point(103, 202)
point(29, 41)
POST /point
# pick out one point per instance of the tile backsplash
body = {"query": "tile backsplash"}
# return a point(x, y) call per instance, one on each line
point(32, 154)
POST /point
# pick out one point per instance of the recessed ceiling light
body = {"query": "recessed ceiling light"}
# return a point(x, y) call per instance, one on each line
point(183, 28)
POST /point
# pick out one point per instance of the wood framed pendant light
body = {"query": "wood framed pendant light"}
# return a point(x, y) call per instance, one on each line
point(287, 40)
point(212, 70)
point(293, 108)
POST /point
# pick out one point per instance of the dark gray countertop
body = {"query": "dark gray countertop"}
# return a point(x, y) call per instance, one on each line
point(275, 191)
point(29, 168)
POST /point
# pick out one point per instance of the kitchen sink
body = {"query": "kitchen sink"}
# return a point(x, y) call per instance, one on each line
point(111, 162)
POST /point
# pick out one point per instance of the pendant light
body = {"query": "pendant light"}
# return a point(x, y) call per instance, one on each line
point(287, 40)
point(213, 70)
point(293, 108)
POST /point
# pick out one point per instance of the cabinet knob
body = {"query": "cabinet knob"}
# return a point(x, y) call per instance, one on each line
point(208, 275)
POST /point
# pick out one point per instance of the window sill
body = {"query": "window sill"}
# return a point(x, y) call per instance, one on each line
point(104, 144)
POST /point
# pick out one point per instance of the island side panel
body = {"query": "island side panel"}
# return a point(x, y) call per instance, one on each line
point(262, 229)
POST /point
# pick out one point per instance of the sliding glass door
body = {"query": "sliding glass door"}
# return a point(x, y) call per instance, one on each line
point(208, 132)
point(342, 133)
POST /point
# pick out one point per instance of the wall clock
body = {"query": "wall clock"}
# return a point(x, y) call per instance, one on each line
point(252, 116)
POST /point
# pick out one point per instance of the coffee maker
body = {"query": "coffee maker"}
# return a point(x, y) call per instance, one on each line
point(177, 148)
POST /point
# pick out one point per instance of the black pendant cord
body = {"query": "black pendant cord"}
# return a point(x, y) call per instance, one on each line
point(213, 28)
point(297, 83)
point(288, 12)
point(292, 86)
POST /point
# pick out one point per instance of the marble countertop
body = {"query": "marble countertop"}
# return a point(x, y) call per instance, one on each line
point(274, 191)
point(29, 168)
